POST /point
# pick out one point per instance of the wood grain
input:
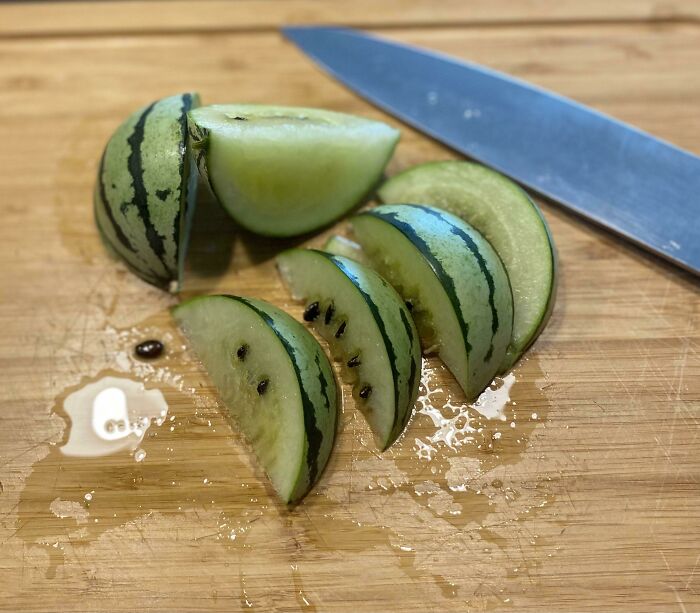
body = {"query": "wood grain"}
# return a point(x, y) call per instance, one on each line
point(590, 502)
point(178, 16)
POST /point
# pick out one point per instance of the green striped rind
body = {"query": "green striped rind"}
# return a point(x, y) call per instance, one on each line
point(381, 322)
point(398, 332)
point(146, 189)
point(285, 171)
point(474, 335)
point(316, 384)
point(508, 219)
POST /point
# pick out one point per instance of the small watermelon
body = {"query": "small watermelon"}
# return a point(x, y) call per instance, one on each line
point(508, 218)
point(286, 170)
point(275, 380)
point(454, 280)
point(367, 327)
point(146, 189)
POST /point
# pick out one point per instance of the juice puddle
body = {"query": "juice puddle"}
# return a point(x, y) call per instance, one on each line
point(70, 500)
point(110, 415)
point(458, 486)
point(464, 481)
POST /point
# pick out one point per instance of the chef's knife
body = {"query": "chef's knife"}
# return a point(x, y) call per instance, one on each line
point(638, 186)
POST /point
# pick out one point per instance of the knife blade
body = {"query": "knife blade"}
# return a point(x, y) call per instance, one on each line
point(638, 186)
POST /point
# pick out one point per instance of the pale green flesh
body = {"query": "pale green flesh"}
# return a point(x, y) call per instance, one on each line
point(378, 331)
point(282, 171)
point(340, 245)
point(509, 220)
point(471, 349)
point(273, 423)
point(146, 189)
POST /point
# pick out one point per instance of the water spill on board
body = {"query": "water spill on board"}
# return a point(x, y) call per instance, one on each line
point(130, 452)
point(459, 483)
point(78, 496)
point(305, 604)
point(110, 415)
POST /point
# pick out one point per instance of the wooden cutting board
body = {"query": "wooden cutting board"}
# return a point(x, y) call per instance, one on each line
point(584, 498)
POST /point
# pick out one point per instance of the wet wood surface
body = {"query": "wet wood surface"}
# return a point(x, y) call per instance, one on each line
point(585, 498)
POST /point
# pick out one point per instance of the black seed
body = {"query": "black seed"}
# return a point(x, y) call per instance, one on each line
point(354, 361)
point(149, 350)
point(341, 329)
point(409, 305)
point(329, 313)
point(312, 312)
point(241, 118)
point(366, 392)
point(262, 386)
point(242, 352)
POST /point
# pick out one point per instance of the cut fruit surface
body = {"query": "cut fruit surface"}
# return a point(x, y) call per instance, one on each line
point(368, 327)
point(146, 190)
point(275, 380)
point(510, 221)
point(339, 245)
point(282, 171)
point(453, 279)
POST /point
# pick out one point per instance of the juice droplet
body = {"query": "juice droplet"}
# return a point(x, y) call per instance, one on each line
point(494, 399)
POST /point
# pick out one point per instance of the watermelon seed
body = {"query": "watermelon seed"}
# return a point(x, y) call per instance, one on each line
point(409, 305)
point(354, 361)
point(329, 313)
point(242, 352)
point(262, 386)
point(366, 392)
point(341, 330)
point(312, 312)
point(149, 349)
point(241, 118)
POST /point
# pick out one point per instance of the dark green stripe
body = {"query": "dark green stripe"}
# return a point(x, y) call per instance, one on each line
point(314, 436)
point(457, 231)
point(146, 274)
point(391, 354)
point(414, 369)
point(140, 199)
point(121, 237)
point(445, 280)
point(323, 381)
point(146, 271)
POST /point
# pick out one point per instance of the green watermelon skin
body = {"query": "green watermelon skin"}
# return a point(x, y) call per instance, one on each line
point(145, 191)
